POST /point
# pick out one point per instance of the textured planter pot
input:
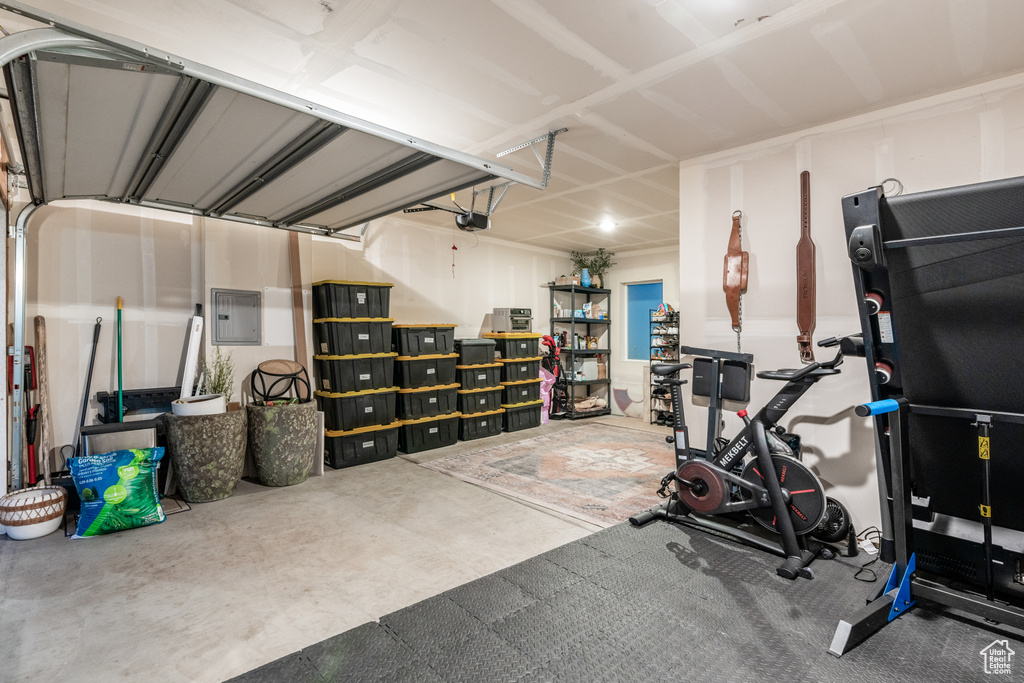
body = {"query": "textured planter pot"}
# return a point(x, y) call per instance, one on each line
point(208, 452)
point(282, 439)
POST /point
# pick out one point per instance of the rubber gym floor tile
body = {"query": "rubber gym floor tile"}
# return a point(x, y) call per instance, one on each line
point(413, 673)
point(585, 604)
point(539, 578)
point(293, 667)
point(643, 581)
point(431, 623)
point(481, 657)
point(491, 598)
point(678, 605)
point(580, 559)
point(919, 646)
point(541, 631)
point(365, 653)
point(623, 540)
point(594, 660)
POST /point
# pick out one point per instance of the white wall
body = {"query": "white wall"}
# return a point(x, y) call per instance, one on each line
point(488, 273)
point(79, 260)
point(247, 257)
point(964, 137)
point(83, 255)
point(654, 265)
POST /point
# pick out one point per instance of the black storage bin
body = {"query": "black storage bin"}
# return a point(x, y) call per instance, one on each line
point(351, 336)
point(516, 344)
point(358, 446)
point(519, 369)
point(344, 299)
point(425, 371)
point(428, 432)
point(355, 409)
point(427, 401)
point(354, 373)
point(475, 351)
point(521, 416)
point(520, 392)
point(479, 400)
point(479, 425)
point(423, 340)
point(484, 376)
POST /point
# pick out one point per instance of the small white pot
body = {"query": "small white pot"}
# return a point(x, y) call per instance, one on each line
point(207, 404)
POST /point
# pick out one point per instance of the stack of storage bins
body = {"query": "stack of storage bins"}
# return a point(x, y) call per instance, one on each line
point(425, 367)
point(480, 395)
point(353, 370)
point(520, 379)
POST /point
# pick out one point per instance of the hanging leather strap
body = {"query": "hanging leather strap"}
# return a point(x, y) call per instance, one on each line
point(805, 305)
point(734, 279)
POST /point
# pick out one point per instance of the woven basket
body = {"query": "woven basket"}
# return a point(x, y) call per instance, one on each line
point(31, 513)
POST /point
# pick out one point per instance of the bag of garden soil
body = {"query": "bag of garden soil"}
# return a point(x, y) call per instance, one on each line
point(118, 491)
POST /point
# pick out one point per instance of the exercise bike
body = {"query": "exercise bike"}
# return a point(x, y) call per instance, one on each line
point(774, 487)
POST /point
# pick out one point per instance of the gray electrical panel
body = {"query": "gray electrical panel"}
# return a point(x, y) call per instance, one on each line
point(236, 317)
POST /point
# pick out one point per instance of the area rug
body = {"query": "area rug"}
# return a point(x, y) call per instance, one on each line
point(594, 472)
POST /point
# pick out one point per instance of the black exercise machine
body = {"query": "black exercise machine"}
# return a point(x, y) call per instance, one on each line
point(940, 282)
point(781, 493)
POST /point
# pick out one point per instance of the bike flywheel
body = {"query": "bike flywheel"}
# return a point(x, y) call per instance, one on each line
point(713, 489)
point(806, 496)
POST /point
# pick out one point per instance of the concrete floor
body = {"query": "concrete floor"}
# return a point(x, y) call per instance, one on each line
point(231, 585)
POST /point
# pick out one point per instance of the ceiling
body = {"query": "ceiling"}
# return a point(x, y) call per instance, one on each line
point(640, 84)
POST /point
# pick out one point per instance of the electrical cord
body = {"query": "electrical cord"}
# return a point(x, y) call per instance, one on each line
point(863, 573)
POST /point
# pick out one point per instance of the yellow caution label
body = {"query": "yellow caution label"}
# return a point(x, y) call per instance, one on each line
point(983, 451)
point(986, 510)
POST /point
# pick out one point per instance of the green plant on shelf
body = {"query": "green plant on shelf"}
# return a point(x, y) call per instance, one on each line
point(596, 262)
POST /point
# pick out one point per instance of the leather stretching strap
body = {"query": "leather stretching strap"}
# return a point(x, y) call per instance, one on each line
point(805, 304)
point(734, 279)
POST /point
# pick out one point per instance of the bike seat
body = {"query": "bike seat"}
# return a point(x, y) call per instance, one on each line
point(666, 369)
point(787, 373)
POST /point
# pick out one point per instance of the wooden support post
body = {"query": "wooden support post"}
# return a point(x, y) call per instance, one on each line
point(298, 314)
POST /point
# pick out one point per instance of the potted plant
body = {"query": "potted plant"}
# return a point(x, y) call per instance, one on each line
point(220, 376)
point(208, 448)
point(218, 386)
point(596, 263)
point(208, 453)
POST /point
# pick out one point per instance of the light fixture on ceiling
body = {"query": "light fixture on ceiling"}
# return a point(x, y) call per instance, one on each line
point(607, 224)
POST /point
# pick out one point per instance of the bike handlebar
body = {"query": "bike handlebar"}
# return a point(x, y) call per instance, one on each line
point(804, 371)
